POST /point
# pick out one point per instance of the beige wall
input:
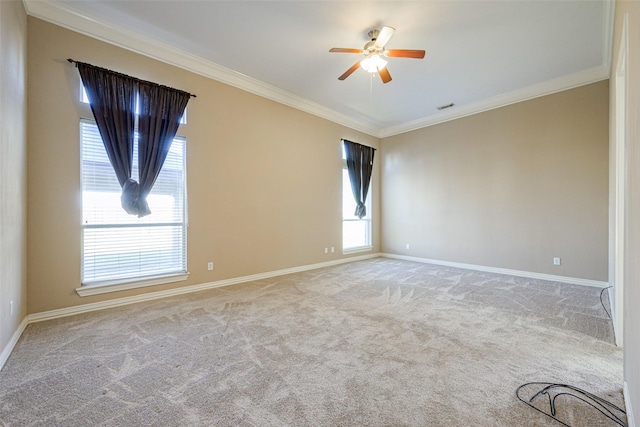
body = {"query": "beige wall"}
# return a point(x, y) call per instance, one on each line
point(264, 180)
point(632, 223)
point(13, 139)
point(511, 187)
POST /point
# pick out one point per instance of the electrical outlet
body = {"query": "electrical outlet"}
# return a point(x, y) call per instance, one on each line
point(326, 250)
point(210, 265)
point(11, 308)
point(332, 249)
point(556, 261)
point(408, 246)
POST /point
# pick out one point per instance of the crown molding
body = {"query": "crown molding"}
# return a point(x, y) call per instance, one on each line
point(549, 87)
point(64, 16)
point(608, 17)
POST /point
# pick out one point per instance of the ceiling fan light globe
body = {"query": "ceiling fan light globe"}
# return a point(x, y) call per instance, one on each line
point(373, 63)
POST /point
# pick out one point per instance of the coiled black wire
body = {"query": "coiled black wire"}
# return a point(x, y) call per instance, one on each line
point(605, 407)
point(602, 302)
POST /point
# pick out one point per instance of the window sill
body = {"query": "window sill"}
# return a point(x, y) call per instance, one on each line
point(123, 285)
point(357, 250)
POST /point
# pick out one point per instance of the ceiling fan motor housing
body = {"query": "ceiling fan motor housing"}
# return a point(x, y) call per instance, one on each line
point(371, 49)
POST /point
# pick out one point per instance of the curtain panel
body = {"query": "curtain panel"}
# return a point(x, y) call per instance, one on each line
point(112, 99)
point(160, 111)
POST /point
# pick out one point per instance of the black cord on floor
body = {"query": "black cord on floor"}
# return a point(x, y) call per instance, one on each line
point(606, 408)
point(602, 302)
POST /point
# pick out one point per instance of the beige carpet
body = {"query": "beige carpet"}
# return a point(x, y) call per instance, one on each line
point(373, 343)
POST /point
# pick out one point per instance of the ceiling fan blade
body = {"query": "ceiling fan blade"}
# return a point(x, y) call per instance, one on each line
point(384, 36)
point(384, 75)
point(345, 50)
point(349, 71)
point(405, 53)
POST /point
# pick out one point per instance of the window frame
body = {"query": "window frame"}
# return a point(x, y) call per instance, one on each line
point(123, 283)
point(368, 246)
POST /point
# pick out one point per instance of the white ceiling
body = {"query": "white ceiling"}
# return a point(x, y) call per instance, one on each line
point(480, 54)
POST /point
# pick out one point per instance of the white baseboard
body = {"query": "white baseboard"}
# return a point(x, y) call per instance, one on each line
point(519, 273)
point(629, 408)
point(84, 308)
point(6, 351)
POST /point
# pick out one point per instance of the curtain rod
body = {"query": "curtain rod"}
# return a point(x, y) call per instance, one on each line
point(364, 145)
point(131, 77)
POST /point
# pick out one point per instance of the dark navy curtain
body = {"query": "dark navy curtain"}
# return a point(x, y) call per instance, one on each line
point(360, 168)
point(161, 108)
point(112, 97)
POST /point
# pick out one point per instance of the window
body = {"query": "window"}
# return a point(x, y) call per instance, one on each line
point(118, 247)
point(356, 232)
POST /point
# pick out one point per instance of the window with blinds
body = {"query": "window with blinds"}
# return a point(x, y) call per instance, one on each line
point(356, 232)
point(118, 247)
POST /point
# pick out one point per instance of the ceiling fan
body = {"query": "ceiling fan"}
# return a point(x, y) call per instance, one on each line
point(374, 52)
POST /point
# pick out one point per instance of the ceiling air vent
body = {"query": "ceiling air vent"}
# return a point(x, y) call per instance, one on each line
point(444, 107)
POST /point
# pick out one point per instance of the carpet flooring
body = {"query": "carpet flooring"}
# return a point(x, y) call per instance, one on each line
point(379, 342)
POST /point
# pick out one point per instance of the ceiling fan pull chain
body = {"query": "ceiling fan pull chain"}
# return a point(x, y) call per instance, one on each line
point(371, 87)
